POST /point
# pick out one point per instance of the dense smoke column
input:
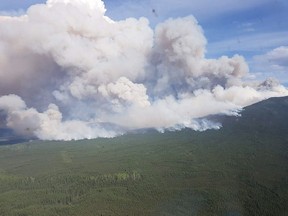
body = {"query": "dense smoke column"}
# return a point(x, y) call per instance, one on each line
point(69, 72)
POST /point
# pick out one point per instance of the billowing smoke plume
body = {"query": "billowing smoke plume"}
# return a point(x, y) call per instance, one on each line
point(69, 72)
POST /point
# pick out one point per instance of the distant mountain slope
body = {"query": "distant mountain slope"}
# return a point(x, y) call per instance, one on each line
point(268, 116)
point(271, 114)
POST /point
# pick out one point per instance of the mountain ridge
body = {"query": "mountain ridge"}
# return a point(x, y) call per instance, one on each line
point(263, 114)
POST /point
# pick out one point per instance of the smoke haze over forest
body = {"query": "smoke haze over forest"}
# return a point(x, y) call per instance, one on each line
point(67, 71)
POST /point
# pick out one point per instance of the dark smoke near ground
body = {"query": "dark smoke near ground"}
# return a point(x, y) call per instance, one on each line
point(69, 72)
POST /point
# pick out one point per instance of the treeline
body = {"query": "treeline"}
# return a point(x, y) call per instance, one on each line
point(64, 181)
point(64, 189)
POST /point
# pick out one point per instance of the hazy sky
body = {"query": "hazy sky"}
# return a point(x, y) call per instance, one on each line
point(256, 29)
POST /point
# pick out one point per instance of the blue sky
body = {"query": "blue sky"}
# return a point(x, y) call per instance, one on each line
point(256, 29)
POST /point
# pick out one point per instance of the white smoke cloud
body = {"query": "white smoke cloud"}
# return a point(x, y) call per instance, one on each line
point(69, 72)
point(274, 60)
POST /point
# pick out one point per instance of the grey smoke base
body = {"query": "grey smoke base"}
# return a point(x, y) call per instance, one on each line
point(69, 72)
